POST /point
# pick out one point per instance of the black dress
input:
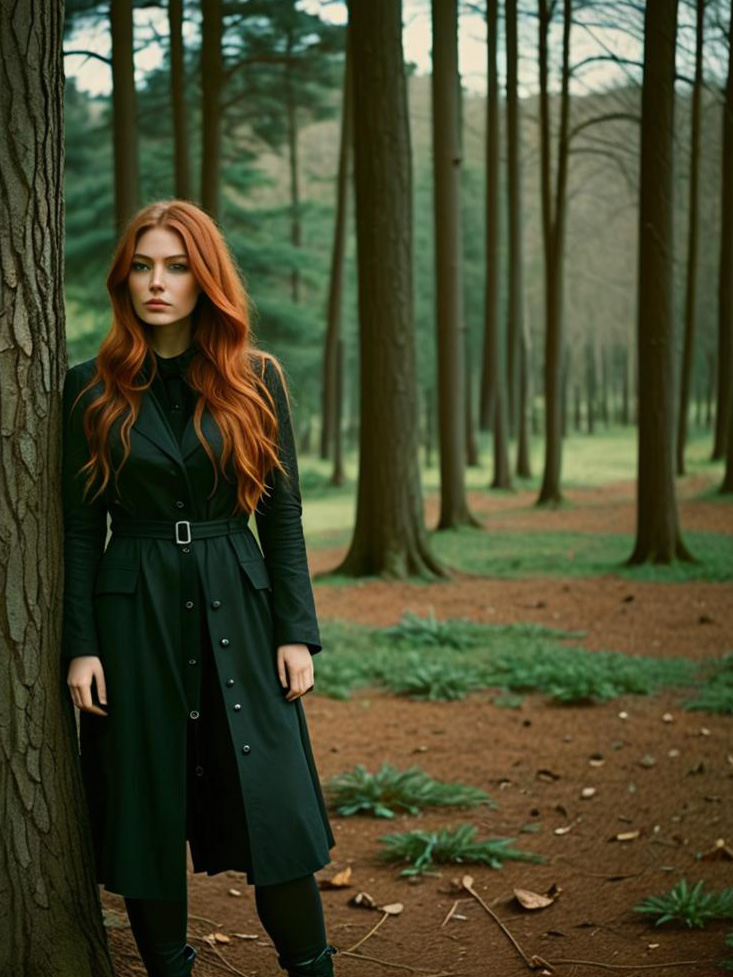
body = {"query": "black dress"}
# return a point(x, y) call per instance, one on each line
point(211, 829)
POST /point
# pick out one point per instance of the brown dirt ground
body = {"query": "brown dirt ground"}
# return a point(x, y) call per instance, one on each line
point(681, 803)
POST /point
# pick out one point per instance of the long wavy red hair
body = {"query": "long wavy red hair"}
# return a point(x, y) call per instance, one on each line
point(228, 375)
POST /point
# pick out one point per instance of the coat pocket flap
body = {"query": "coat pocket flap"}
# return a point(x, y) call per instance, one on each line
point(116, 580)
point(257, 572)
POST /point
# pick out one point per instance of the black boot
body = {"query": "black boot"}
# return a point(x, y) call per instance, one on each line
point(320, 966)
point(169, 963)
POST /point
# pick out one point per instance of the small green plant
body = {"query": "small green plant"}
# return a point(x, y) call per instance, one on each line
point(424, 849)
point(716, 692)
point(357, 791)
point(440, 678)
point(727, 964)
point(421, 632)
point(689, 905)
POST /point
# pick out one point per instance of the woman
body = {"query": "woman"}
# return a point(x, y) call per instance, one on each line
point(188, 646)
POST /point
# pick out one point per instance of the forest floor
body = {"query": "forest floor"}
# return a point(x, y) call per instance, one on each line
point(663, 777)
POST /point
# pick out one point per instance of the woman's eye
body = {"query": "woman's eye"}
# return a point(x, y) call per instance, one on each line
point(182, 267)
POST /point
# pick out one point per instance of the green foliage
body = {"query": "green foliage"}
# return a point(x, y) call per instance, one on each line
point(716, 692)
point(689, 905)
point(423, 849)
point(727, 964)
point(383, 793)
point(440, 679)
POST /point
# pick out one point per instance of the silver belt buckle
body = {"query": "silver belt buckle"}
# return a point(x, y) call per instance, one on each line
point(187, 524)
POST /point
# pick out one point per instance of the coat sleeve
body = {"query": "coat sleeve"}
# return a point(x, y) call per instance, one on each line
point(280, 530)
point(85, 531)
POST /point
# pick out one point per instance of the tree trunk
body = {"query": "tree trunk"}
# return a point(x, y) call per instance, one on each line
point(335, 293)
point(211, 87)
point(450, 343)
point(181, 160)
point(658, 537)
point(127, 187)
point(389, 533)
point(493, 345)
point(296, 230)
point(524, 466)
point(472, 453)
point(51, 912)
point(688, 352)
point(514, 213)
point(553, 237)
point(725, 272)
point(338, 476)
point(590, 386)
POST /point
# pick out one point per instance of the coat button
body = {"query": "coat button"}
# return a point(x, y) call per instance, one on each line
point(216, 604)
point(199, 771)
point(194, 714)
point(191, 661)
point(236, 707)
point(224, 642)
point(179, 504)
point(189, 605)
point(185, 549)
point(245, 748)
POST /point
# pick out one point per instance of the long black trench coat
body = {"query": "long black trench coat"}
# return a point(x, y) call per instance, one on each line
point(145, 606)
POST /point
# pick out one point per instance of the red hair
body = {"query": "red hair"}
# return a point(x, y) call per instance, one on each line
point(228, 374)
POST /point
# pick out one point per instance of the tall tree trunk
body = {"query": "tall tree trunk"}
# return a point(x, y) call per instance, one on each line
point(493, 348)
point(710, 390)
point(590, 386)
point(725, 273)
point(605, 406)
point(338, 251)
point(181, 160)
point(211, 87)
point(688, 353)
point(514, 213)
point(51, 912)
point(625, 390)
point(389, 534)
point(127, 188)
point(553, 237)
point(338, 476)
point(450, 323)
point(524, 465)
point(658, 537)
point(473, 459)
point(296, 230)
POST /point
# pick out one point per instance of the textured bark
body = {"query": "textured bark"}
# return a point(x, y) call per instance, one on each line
point(590, 386)
point(554, 205)
point(450, 340)
point(329, 404)
point(389, 533)
point(657, 534)
point(291, 116)
point(127, 180)
point(50, 913)
point(211, 88)
point(688, 350)
point(493, 360)
point(338, 476)
point(724, 411)
point(524, 467)
point(181, 160)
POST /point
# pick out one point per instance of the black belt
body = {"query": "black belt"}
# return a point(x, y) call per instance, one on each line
point(182, 531)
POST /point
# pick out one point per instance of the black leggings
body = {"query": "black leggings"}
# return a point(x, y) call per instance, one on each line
point(291, 913)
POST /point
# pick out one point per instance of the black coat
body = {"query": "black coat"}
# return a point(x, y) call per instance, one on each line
point(136, 605)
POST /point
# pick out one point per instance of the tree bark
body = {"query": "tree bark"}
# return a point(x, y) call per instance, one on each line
point(335, 293)
point(211, 88)
point(658, 537)
point(553, 237)
point(450, 341)
point(688, 351)
point(493, 358)
point(514, 213)
point(389, 534)
point(51, 911)
point(127, 181)
point(181, 159)
point(725, 274)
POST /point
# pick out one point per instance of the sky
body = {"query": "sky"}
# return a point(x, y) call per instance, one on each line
point(94, 76)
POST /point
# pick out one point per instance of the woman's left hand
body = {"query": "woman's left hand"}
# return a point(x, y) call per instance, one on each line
point(295, 669)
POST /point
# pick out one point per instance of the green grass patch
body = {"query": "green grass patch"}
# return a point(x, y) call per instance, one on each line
point(423, 849)
point(412, 660)
point(715, 693)
point(687, 904)
point(389, 790)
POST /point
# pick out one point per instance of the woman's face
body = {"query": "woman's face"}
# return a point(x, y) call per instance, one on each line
point(160, 272)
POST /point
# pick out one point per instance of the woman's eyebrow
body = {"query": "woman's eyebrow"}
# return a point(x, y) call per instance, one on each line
point(138, 255)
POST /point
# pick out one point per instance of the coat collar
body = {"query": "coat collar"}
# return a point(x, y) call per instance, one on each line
point(153, 424)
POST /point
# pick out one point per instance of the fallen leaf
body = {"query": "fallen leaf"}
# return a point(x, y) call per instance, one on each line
point(535, 900)
point(363, 900)
point(668, 717)
point(338, 881)
point(547, 775)
point(217, 937)
point(247, 936)
point(564, 830)
point(626, 836)
point(234, 892)
point(588, 792)
point(392, 908)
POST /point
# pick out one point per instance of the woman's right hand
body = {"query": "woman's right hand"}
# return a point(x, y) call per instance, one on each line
point(82, 671)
